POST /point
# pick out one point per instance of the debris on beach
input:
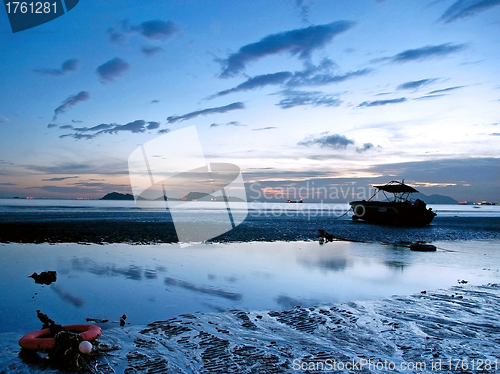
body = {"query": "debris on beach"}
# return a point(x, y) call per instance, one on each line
point(70, 352)
point(96, 320)
point(45, 277)
point(122, 320)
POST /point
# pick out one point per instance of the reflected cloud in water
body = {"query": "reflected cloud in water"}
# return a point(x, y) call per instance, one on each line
point(68, 297)
point(133, 272)
point(201, 289)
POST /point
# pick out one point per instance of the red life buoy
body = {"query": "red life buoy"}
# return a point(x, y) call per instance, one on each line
point(41, 340)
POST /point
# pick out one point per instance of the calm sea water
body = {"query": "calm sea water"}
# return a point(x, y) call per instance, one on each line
point(67, 208)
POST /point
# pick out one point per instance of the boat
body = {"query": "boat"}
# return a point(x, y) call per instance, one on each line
point(399, 210)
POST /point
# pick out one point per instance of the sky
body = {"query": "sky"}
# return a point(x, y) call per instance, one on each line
point(340, 94)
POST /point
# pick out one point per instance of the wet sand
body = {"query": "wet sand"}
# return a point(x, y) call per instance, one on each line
point(433, 331)
point(123, 228)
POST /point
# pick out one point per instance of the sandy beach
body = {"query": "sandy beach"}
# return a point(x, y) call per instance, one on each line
point(261, 306)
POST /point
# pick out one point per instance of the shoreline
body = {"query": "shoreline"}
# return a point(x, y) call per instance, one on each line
point(455, 326)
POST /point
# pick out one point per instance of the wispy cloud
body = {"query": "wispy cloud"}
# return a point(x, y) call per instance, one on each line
point(152, 30)
point(335, 141)
point(322, 74)
point(112, 69)
point(265, 128)
point(4, 119)
point(429, 97)
point(68, 168)
point(102, 126)
point(304, 10)
point(301, 42)
point(87, 133)
point(58, 179)
point(203, 112)
point(418, 54)
point(466, 8)
point(232, 123)
point(382, 102)
point(70, 102)
point(66, 67)
point(445, 90)
point(257, 82)
point(368, 147)
point(294, 98)
point(150, 50)
point(311, 75)
point(414, 85)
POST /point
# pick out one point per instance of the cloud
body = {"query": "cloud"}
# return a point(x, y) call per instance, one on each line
point(203, 112)
point(335, 141)
point(151, 30)
point(301, 42)
point(51, 125)
point(322, 75)
point(414, 85)
point(155, 101)
point(265, 128)
point(423, 53)
point(257, 82)
point(156, 29)
point(232, 123)
point(445, 90)
point(367, 147)
point(66, 168)
point(495, 134)
point(304, 10)
point(66, 67)
point(315, 98)
point(428, 97)
point(153, 125)
point(466, 8)
point(163, 131)
point(112, 69)
point(71, 101)
point(4, 119)
point(149, 50)
point(57, 179)
point(382, 102)
point(102, 126)
point(135, 127)
point(311, 75)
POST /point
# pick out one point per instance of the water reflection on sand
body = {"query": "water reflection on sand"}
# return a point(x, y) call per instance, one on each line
point(156, 282)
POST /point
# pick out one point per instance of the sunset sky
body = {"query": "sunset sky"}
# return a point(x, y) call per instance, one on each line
point(336, 93)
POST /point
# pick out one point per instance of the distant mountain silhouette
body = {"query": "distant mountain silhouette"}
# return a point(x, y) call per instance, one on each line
point(117, 196)
point(434, 199)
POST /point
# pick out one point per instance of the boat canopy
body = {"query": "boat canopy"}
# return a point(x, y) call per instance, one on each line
point(396, 187)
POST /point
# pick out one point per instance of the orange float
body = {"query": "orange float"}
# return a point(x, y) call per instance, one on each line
point(41, 340)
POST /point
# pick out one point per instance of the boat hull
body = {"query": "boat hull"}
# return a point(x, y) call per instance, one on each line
point(401, 213)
